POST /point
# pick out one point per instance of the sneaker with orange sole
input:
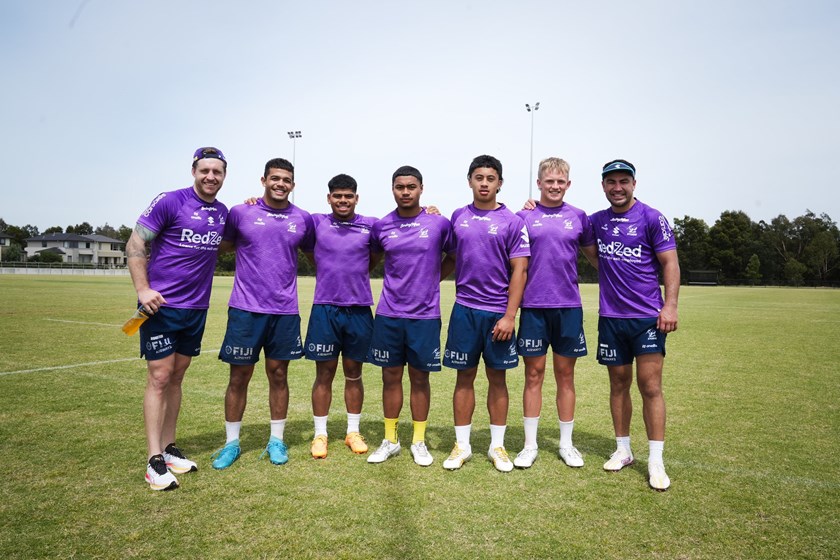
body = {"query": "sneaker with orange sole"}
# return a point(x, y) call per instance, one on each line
point(356, 442)
point(319, 447)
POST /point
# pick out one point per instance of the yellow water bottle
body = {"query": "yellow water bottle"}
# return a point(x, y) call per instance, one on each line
point(133, 324)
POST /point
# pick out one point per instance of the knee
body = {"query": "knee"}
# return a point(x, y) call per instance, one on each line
point(650, 390)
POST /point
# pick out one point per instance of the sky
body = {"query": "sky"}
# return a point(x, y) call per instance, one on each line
point(720, 105)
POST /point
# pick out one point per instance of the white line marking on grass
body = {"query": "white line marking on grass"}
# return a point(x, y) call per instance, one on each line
point(85, 364)
point(82, 323)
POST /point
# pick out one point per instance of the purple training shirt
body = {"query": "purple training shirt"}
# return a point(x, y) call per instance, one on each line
point(266, 242)
point(485, 242)
point(555, 235)
point(183, 254)
point(413, 250)
point(628, 273)
point(342, 260)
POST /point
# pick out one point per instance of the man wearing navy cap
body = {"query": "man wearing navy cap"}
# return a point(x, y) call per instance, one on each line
point(635, 242)
point(184, 228)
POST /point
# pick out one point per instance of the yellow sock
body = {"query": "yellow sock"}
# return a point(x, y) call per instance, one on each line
point(419, 431)
point(391, 429)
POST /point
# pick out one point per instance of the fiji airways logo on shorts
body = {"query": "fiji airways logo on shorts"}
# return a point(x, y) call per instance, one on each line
point(158, 343)
point(530, 343)
point(607, 353)
point(456, 358)
point(239, 352)
point(379, 354)
point(321, 348)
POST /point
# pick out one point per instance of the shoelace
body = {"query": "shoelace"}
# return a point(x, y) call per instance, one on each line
point(158, 465)
point(175, 452)
point(385, 447)
point(226, 449)
point(456, 452)
point(421, 449)
point(501, 453)
point(356, 437)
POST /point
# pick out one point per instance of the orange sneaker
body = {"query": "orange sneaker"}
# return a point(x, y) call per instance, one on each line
point(319, 447)
point(356, 442)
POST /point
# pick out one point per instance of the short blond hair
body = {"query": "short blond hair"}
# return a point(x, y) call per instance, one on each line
point(553, 164)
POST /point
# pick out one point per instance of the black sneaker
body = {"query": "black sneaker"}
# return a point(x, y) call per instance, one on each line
point(158, 476)
point(176, 462)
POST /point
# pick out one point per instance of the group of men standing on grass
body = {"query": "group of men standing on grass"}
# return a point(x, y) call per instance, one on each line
point(504, 263)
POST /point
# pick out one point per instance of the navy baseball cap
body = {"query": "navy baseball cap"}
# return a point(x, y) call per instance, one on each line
point(619, 165)
point(209, 152)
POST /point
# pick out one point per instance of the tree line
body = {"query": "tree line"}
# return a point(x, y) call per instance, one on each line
point(804, 251)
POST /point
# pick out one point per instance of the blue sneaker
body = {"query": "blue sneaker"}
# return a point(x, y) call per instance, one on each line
point(226, 456)
point(278, 454)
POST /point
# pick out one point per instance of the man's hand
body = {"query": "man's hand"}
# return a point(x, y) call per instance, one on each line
point(432, 210)
point(251, 201)
point(503, 329)
point(530, 204)
point(667, 320)
point(150, 300)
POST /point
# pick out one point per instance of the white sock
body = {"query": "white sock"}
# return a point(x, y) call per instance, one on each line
point(278, 427)
point(462, 436)
point(656, 448)
point(232, 430)
point(353, 421)
point(566, 434)
point(623, 442)
point(531, 423)
point(320, 425)
point(497, 436)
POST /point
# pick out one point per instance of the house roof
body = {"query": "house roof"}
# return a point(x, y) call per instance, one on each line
point(56, 250)
point(74, 237)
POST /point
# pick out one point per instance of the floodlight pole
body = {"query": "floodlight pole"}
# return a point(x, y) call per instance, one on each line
point(531, 161)
point(294, 135)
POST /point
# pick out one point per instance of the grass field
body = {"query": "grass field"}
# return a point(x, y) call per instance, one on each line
point(752, 447)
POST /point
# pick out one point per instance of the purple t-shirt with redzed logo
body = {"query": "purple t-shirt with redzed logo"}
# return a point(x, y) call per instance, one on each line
point(183, 254)
point(628, 271)
point(555, 233)
point(342, 260)
point(485, 242)
point(266, 241)
point(413, 250)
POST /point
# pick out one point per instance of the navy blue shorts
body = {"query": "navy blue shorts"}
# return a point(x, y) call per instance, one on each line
point(620, 340)
point(335, 329)
point(561, 328)
point(249, 332)
point(397, 342)
point(471, 336)
point(172, 330)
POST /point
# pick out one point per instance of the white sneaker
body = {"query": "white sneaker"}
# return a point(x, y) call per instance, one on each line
point(158, 476)
point(620, 458)
point(457, 458)
point(500, 459)
point(421, 454)
point(525, 458)
point(176, 462)
point(657, 478)
point(385, 451)
point(571, 456)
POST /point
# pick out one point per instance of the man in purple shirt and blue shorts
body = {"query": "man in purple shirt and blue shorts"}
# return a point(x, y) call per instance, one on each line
point(173, 285)
point(491, 258)
point(635, 242)
point(341, 322)
point(407, 325)
point(263, 307)
point(551, 308)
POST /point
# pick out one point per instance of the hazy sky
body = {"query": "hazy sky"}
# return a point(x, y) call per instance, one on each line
point(722, 105)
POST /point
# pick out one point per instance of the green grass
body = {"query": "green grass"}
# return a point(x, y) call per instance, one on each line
point(752, 447)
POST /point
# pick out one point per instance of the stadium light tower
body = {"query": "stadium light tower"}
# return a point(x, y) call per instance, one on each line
point(531, 110)
point(294, 135)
